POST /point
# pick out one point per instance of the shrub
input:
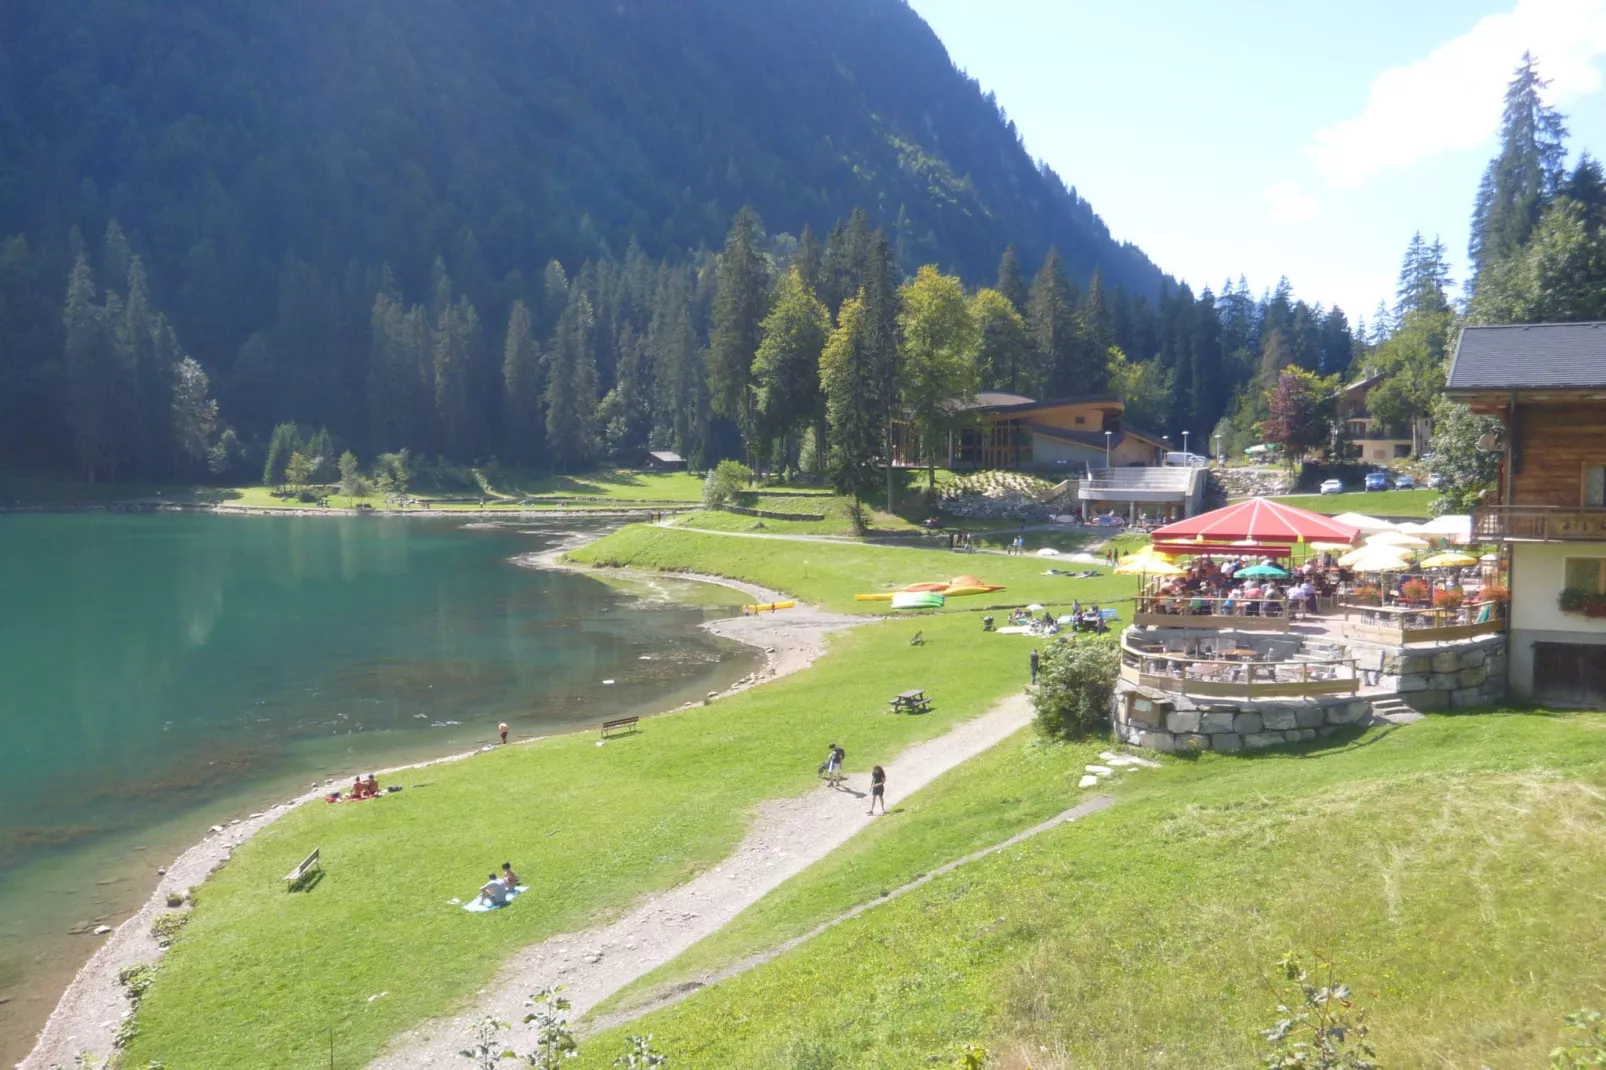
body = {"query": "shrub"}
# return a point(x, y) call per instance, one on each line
point(1447, 599)
point(1414, 590)
point(1588, 1031)
point(723, 483)
point(1075, 682)
point(1319, 1027)
point(136, 980)
point(167, 926)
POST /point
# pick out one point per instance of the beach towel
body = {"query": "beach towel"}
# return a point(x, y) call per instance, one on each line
point(480, 906)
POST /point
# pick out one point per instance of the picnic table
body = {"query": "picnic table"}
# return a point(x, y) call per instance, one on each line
point(912, 701)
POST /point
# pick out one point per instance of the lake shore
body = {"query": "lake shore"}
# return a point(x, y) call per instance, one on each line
point(89, 1011)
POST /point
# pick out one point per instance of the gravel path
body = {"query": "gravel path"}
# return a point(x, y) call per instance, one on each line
point(787, 836)
point(665, 998)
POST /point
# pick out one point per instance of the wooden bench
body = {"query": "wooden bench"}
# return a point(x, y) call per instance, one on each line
point(299, 874)
point(914, 701)
point(619, 724)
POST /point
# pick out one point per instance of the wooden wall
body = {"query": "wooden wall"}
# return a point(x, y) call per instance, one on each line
point(1557, 441)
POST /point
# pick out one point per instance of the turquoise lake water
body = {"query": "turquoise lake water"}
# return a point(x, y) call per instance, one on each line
point(160, 673)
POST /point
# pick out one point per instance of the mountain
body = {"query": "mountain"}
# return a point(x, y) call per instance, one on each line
point(267, 160)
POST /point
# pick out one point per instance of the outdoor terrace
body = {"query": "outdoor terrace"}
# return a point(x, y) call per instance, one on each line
point(1226, 666)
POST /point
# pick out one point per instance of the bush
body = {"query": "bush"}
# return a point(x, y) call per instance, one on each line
point(725, 482)
point(1075, 682)
point(167, 926)
point(1414, 590)
point(1446, 599)
point(136, 980)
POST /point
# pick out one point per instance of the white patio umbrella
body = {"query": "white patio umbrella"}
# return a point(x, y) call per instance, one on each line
point(1397, 538)
point(1369, 525)
point(1376, 559)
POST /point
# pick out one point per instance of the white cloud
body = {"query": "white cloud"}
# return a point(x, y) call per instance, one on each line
point(1450, 99)
point(1290, 203)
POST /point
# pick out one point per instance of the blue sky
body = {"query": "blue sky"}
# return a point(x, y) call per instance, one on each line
point(1307, 140)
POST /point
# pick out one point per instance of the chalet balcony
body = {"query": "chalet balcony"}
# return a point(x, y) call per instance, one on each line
point(1539, 523)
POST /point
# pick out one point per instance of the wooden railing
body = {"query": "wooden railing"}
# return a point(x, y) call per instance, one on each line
point(1404, 625)
point(1221, 677)
point(1197, 611)
point(1539, 522)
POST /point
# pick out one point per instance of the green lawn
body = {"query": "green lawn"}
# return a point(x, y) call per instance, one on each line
point(838, 513)
point(830, 575)
point(1012, 787)
point(1409, 503)
point(1447, 867)
point(260, 977)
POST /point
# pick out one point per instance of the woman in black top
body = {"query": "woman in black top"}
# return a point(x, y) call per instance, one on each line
point(878, 788)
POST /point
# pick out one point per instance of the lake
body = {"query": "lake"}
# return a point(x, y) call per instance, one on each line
point(161, 673)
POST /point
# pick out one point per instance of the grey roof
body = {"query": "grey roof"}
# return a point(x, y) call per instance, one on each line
point(666, 456)
point(1540, 356)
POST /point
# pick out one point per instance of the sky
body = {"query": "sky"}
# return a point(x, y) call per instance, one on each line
point(1270, 139)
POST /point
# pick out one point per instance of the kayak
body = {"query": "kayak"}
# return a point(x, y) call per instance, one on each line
point(976, 588)
point(872, 598)
point(917, 600)
point(769, 607)
point(926, 587)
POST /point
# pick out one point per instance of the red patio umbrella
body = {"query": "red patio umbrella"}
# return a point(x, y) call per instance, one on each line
point(1260, 519)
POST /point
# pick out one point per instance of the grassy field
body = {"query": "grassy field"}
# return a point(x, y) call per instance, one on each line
point(261, 977)
point(1446, 867)
point(1012, 787)
point(1408, 503)
point(831, 575)
point(837, 510)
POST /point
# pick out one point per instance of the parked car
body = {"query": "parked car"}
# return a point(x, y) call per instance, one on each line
point(1405, 483)
point(1332, 486)
point(1435, 480)
point(1377, 481)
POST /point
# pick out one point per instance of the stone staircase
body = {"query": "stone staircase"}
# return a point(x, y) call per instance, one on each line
point(1394, 710)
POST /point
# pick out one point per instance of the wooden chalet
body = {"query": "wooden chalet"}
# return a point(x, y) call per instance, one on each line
point(1546, 384)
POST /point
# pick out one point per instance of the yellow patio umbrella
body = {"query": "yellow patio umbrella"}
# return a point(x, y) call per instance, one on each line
point(1449, 559)
point(1148, 567)
point(1376, 559)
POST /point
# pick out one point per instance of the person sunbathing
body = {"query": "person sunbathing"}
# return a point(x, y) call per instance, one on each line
point(494, 891)
point(509, 878)
point(370, 786)
point(358, 789)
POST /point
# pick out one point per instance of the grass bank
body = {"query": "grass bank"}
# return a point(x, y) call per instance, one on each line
point(1408, 503)
point(1012, 787)
point(262, 979)
point(1444, 866)
point(830, 574)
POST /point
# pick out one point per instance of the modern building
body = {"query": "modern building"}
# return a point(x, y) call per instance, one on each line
point(999, 430)
point(1377, 442)
point(1546, 384)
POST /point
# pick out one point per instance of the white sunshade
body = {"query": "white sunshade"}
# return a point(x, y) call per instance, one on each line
point(1376, 559)
point(1369, 525)
point(1397, 538)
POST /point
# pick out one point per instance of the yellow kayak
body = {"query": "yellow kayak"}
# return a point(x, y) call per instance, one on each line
point(768, 607)
point(873, 597)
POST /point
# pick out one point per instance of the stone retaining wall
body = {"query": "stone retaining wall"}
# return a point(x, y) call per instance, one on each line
point(1448, 677)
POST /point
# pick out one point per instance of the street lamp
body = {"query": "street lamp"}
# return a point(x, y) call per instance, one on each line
point(1184, 442)
point(1218, 449)
point(1107, 435)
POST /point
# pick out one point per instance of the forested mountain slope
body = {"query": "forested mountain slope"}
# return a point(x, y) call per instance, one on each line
point(236, 141)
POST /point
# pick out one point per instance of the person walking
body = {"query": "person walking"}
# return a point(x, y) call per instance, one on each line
point(878, 789)
point(1034, 660)
point(501, 730)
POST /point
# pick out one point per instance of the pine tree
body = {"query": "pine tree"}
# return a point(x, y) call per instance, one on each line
point(739, 310)
point(625, 414)
point(522, 421)
point(1424, 277)
point(1051, 322)
point(1011, 283)
point(92, 376)
point(457, 331)
point(680, 413)
point(809, 260)
point(1523, 178)
point(571, 388)
point(850, 379)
